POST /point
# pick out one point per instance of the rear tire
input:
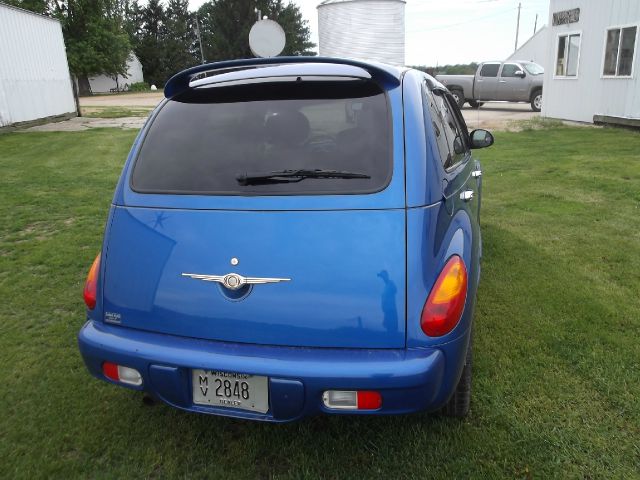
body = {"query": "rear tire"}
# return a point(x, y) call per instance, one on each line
point(458, 96)
point(536, 101)
point(458, 404)
point(475, 104)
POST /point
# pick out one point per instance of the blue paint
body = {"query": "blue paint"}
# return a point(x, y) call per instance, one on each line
point(360, 270)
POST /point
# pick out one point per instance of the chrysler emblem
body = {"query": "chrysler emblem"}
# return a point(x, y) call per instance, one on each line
point(233, 281)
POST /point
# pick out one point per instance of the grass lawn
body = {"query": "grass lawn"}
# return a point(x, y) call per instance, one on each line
point(557, 365)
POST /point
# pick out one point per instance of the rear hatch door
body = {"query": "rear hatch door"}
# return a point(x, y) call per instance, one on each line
point(326, 255)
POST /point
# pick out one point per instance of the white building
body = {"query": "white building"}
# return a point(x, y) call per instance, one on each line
point(34, 74)
point(593, 65)
point(363, 29)
point(107, 84)
point(534, 49)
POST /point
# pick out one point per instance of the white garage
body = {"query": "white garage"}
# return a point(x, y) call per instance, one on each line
point(34, 74)
point(118, 83)
point(593, 61)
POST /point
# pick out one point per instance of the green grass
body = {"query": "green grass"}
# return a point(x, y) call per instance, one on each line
point(557, 365)
point(115, 112)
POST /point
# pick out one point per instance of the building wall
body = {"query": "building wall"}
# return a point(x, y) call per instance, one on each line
point(104, 83)
point(590, 94)
point(364, 29)
point(34, 74)
point(534, 49)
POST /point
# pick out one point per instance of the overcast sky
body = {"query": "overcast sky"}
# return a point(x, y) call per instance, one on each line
point(454, 31)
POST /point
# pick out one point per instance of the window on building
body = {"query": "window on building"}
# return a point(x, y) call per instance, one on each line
point(568, 53)
point(620, 51)
point(489, 70)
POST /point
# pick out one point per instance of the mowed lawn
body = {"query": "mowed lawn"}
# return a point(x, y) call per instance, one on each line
point(557, 357)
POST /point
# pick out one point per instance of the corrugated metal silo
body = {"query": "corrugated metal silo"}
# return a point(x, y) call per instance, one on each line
point(366, 29)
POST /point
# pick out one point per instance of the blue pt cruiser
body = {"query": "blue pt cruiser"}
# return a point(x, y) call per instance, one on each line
point(293, 236)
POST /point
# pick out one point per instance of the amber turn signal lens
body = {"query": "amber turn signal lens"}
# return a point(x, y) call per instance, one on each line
point(444, 306)
point(91, 285)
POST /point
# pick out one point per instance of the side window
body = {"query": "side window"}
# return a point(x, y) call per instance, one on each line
point(453, 131)
point(489, 70)
point(509, 70)
point(620, 52)
point(456, 132)
point(434, 117)
point(567, 55)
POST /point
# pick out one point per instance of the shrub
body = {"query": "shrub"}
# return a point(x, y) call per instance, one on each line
point(139, 87)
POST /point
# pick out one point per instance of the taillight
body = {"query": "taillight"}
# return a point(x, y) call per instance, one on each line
point(122, 374)
point(352, 399)
point(91, 285)
point(444, 306)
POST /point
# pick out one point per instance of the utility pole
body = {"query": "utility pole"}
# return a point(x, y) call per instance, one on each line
point(518, 26)
point(199, 40)
point(535, 25)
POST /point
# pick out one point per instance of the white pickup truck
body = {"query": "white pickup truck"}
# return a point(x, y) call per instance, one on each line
point(511, 81)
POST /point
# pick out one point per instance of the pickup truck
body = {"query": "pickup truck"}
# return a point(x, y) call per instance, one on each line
point(510, 81)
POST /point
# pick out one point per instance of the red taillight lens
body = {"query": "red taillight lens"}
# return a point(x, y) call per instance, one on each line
point(110, 371)
point(443, 308)
point(368, 400)
point(91, 285)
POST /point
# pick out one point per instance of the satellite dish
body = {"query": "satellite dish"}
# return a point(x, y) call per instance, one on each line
point(266, 38)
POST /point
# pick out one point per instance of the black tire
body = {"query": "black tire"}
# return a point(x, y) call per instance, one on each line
point(458, 404)
point(458, 95)
point(475, 104)
point(536, 101)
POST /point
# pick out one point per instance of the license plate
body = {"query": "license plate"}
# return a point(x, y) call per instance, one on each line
point(232, 390)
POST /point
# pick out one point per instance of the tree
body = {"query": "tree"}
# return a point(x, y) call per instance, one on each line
point(38, 6)
point(94, 36)
point(225, 26)
point(149, 45)
point(180, 42)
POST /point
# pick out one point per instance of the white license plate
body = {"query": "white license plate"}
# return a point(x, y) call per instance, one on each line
point(233, 390)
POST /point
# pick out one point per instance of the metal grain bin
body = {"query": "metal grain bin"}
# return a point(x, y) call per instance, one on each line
point(365, 29)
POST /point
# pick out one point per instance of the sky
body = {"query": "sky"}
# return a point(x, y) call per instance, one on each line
point(440, 32)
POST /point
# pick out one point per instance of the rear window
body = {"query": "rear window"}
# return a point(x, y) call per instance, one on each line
point(205, 140)
point(490, 70)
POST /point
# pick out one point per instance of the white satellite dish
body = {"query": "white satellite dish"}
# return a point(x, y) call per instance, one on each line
point(266, 38)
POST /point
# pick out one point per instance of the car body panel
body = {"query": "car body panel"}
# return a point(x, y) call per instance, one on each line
point(338, 294)
point(360, 269)
point(409, 380)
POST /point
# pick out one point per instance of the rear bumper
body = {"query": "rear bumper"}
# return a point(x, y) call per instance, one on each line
point(409, 380)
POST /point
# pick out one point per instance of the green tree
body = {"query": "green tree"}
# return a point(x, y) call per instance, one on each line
point(38, 6)
point(94, 36)
point(225, 26)
point(149, 45)
point(180, 42)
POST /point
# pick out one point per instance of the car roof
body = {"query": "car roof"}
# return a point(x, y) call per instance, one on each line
point(245, 69)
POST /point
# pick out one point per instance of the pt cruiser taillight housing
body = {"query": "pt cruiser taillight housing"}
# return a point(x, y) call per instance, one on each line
point(90, 292)
point(445, 304)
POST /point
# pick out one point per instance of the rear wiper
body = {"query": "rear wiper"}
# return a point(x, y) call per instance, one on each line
point(291, 176)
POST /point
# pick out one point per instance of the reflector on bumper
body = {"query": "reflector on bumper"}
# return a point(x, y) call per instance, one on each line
point(352, 400)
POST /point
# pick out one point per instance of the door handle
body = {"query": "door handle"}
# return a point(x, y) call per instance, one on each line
point(466, 195)
point(476, 173)
point(502, 81)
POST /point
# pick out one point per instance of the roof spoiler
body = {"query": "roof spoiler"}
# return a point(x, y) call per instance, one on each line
point(179, 83)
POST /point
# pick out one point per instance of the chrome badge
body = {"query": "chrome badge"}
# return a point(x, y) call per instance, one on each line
point(233, 281)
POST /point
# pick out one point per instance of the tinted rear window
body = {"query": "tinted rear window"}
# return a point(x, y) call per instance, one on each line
point(490, 70)
point(202, 141)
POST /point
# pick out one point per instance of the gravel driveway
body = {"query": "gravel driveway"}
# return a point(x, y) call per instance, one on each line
point(492, 115)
